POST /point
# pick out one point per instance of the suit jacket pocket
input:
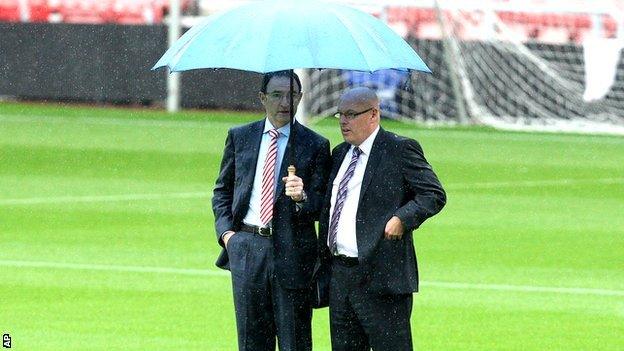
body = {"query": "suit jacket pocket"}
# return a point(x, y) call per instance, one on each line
point(389, 272)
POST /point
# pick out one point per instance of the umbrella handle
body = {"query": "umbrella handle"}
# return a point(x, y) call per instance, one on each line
point(291, 170)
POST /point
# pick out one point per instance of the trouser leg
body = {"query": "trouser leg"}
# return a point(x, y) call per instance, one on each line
point(385, 320)
point(293, 318)
point(360, 320)
point(346, 331)
point(251, 267)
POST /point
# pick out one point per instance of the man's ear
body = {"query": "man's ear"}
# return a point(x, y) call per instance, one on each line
point(376, 115)
point(262, 97)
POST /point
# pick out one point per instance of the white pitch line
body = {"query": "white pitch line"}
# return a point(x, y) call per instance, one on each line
point(218, 273)
point(102, 198)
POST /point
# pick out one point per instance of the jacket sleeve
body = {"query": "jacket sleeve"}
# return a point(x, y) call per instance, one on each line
point(427, 197)
point(315, 191)
point(223, 192)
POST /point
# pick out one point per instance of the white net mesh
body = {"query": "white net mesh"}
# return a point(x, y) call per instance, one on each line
point(510, 69)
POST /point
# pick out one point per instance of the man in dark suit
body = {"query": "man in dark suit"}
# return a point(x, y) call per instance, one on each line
point(264, 221)
point(381, 190)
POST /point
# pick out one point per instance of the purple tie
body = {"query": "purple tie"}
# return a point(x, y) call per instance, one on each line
point(341, 196)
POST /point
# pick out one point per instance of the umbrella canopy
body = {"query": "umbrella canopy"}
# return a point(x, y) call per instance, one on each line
point(275, 35)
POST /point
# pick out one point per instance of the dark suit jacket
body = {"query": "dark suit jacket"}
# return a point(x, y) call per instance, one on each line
point(294, 236)
point(397, 181)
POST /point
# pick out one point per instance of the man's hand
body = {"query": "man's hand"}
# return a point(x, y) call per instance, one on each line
point(294, 187)
point(226, 237)
point(394, 229)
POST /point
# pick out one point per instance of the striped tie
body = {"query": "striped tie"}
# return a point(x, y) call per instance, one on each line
point(268, 180)
point(341, 196)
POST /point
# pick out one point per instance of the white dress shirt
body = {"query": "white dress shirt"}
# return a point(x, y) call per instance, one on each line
point(253, 215)
point(346, 243)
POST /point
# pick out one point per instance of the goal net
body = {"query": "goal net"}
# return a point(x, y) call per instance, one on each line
point(542, 65)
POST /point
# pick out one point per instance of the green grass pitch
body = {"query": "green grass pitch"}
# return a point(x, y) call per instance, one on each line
point(107, 238)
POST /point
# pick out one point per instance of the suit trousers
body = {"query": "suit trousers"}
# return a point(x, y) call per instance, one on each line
point(264, 309)
point(360, 320)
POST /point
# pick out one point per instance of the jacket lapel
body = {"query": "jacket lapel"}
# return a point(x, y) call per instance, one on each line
point(247, 156)
point(377, 153)
point(337, 160)
point(252, 141)
point(341, 152)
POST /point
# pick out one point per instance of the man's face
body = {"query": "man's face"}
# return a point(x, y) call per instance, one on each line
point(276, 100)
point(354, 125)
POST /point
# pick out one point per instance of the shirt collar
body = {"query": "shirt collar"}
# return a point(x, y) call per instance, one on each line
point(285, 130)
point(367, 144)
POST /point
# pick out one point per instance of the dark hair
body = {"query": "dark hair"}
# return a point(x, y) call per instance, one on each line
point(267, 78)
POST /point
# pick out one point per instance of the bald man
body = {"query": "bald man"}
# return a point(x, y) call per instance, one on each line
point(382, 189)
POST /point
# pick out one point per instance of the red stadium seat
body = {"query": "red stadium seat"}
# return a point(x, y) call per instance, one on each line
point(39, 10)
point(106, 11)
point(411, 15)
point(507, 16)
point(536, 19)
point(582, 21)
point(81, 11)
point(610, 26)
point(10, 11)
point(134, 12)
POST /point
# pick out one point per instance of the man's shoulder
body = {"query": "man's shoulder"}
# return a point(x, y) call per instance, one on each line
point(396, 139)
point(342, 146)
point(247, 127)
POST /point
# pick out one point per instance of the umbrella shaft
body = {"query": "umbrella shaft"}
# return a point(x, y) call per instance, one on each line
point(291, 152)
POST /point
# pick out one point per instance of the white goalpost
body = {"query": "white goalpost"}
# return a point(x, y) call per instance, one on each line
point(173, 78)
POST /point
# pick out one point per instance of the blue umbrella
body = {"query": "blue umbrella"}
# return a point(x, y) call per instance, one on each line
point(275, 35)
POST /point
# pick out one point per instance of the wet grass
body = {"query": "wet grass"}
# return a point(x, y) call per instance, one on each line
point(526, 210)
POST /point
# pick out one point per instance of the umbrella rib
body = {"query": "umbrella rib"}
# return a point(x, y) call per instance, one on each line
point(187, 39)
point(355, 40)
point(175, 59)
point(267, 43)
